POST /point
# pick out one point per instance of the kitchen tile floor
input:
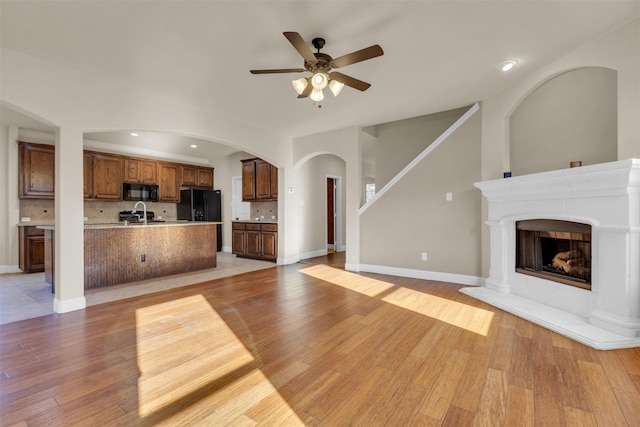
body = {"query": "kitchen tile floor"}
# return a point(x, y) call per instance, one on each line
point(25, 296)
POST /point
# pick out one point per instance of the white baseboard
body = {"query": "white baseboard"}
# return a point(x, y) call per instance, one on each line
point(65, 306)
point(417, 274)
point(226, 249)
point(7, 269)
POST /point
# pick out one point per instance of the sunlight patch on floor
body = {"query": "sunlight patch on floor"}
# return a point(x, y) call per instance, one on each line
point(188, 357)
point(364, 285)
point(454, 313)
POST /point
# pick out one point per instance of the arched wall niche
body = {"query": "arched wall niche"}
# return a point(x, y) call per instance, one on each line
point(571, 116)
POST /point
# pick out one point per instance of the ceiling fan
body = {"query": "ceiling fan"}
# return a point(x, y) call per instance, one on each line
point(320, 65)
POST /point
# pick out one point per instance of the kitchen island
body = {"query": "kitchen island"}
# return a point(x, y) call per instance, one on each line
point(116, 253)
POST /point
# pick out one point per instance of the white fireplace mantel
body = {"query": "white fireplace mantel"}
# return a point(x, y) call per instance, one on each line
point(605, 196)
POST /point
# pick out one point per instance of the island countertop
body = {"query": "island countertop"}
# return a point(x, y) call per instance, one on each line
point(49, 226)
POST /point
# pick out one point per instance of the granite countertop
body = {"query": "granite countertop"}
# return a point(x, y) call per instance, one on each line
point(263, 221)
point(150, 224)
point(35, 223)
point(51, 226)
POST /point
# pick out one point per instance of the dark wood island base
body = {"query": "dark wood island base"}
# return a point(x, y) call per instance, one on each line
point(115, 254)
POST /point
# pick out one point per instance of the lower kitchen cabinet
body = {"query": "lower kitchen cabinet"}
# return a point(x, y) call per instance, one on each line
point(31, 249)
point(254, 240)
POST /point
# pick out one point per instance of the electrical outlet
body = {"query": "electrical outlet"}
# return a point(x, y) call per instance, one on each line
point(143, 257)
point(449, 196)
point(424, 256)
point(25, 219)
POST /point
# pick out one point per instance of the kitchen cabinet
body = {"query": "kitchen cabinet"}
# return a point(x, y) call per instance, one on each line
point(259, 180)
point(106, 176)
point(273, 178)
point(140, 171)
point(248, 180)
point(87, 175)
point(197, 176)
point(31, 249)
point(168, 181)
point(255, 240)
point(36, 178)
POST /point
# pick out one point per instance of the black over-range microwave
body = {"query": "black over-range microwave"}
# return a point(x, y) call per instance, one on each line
point(144, 192)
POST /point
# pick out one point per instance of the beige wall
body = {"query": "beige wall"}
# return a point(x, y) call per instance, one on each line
point(398, 143)
point(570, 117)
point(413, 216)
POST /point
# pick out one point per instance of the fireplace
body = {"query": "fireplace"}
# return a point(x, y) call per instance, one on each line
point(554, 250)
point(564, 251)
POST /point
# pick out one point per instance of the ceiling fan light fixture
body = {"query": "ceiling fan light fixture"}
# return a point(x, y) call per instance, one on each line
point(336, 87)
point(316, 95)
point(300, 85)
point(319, 81)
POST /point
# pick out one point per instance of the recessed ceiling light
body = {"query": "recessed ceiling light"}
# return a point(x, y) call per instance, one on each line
point(193, 146)
point(507, 65)
point(134, 134)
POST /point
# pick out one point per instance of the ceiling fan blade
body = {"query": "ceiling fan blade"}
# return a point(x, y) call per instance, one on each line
point(306, 92)
point(303, 49)
point(357, 56)
point(349, 81)
point(280, 70)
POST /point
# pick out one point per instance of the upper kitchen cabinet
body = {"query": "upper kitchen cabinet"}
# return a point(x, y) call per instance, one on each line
point(140, 171)
point(37, 171)
point(248, 180)
point(197, 176)
point(87, 174)
point(259, 180)
point(168, 174)
point(107, 176)
point(274, 182)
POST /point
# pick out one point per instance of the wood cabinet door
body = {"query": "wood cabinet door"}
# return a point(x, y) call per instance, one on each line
point(263, 180)
point(31, 249)
point(37, 171)
point(205, 178)
point(253, 248)
point(189, 176)
point(274, 182)
point(248, 180)
point(238, 242)
point(132, 170)
point(107, 177)
point(35, 253)
point(168, 177)
point(269, 243)
point(148, 172)
point(87, 175)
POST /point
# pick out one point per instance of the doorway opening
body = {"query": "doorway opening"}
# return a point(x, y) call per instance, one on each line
point(334, 225)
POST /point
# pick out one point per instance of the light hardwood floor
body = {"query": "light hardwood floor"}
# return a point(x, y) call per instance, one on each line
point(308, 344)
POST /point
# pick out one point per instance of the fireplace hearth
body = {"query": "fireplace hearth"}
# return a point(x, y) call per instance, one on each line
point(555, 250)
point(578, 227)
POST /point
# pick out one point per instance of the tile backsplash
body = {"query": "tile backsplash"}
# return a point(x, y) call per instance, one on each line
point(97, 211)
point(264, 209)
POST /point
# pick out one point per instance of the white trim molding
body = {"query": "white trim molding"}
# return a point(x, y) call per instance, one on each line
point(460, 279)
point(73, 304)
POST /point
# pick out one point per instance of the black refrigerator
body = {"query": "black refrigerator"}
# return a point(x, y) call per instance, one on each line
point(201, 205)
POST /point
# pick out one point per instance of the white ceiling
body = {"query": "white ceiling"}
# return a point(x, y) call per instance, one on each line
point(438, 54)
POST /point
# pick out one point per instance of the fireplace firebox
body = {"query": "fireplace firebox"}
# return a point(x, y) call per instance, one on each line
point(555, 250)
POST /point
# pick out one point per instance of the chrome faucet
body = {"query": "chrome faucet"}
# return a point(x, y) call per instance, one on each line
point(145, 210)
